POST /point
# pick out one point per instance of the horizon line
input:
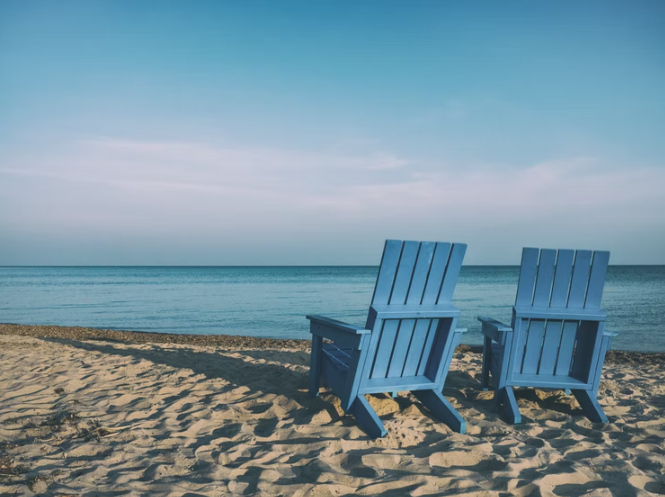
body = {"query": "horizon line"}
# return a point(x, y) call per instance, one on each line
point(258, 265)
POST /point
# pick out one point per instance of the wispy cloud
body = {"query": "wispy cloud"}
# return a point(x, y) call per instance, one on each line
point(187, 187)
point(373, 182)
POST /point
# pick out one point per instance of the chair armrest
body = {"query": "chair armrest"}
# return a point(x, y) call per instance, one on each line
point(494, 329)
point(341, 333)
point(338, 325)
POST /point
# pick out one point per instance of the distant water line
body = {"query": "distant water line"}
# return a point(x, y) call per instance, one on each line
point(273, 301)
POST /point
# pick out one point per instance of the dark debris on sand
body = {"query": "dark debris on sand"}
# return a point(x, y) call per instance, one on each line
point(242, 342)
point(225, 341)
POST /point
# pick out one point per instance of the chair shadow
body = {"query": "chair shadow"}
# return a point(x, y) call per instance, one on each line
point(657, 401)
point(467, 390)
point(278, 375)
point(274, 377)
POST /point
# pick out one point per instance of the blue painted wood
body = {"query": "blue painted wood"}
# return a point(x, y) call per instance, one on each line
point(495, 363)
point(554, 313)
point(532, 350)
point(541, 296)
point(589, 338)
point(594, 292)
point(442, 409)
point(407, 264)
point(550, 347)
point(557, 338)
point(367, 418)
point(411, 311)
point(427, 348)
point(564, 271)
point(416, 348)
point(547, 381)
point(338, 325)
point(448, 349)
point(580, 280)
point(511, 407)
point(590, 406)
point(494, 329)
point(383, 385)
point(387, 272)
point(340, 337)
point(503, 366)
point(354, 380)
point(402, 343)
point(332, 376)
point(385, 349)
point(409, 339)
point(315, 366)
point(527, 278)
point(441, 341)
point(437, 270)
point(420, 273)
point(604, 347)
point(340, 357)
point(487, 358)
point(515, 354)
point(452, 273)
point(566, 347)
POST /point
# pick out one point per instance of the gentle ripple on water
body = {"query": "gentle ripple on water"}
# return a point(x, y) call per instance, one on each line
point(272, 301)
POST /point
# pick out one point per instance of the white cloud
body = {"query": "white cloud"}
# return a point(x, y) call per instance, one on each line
point(200, 189)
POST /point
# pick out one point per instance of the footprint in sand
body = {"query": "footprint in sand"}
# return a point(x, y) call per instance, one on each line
point(562, 443)
point(382, 461)
point(476, 460)
point(579, 455)
point(650, 463)
point(535, 442)
point(266, 427)
point(353, 464)
point(645, 483)
point(656, 449)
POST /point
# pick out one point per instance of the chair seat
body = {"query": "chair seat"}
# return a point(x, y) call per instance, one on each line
point(339, 357)
point(534, 380)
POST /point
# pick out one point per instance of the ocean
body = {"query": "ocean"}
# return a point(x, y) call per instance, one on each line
point(273, 301)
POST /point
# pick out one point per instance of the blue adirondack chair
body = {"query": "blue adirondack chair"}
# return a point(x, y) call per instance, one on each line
point(557, 338)
point(408, 341)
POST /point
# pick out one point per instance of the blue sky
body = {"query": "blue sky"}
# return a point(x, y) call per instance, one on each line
point(307, 132)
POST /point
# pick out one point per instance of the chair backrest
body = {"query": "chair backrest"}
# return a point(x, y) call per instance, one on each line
point(418, 272)
point(557, 314)
point(415, 274)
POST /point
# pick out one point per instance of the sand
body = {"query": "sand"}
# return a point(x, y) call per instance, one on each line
point(99, 417)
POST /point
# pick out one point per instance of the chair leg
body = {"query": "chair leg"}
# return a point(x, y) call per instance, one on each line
point(442, 409)
point(487, 360)
point(315, 366)
point(590, 406)
point(394, 395)
point(510, 405)
point(367, 418)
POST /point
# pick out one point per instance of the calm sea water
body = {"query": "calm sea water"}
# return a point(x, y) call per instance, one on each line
point(273, 301)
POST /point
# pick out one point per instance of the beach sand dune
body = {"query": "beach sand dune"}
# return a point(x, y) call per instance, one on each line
point(111, 418)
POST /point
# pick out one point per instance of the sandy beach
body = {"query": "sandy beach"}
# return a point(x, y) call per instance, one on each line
point(93, 412)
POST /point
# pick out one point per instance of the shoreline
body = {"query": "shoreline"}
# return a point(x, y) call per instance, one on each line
point(243, 342)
